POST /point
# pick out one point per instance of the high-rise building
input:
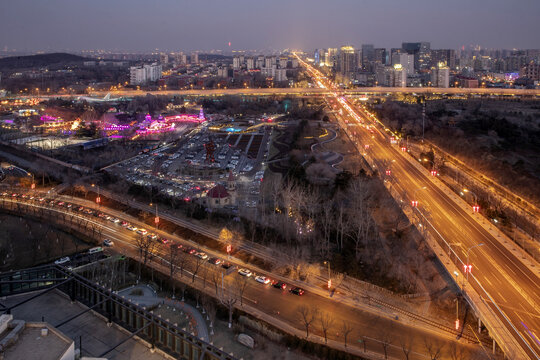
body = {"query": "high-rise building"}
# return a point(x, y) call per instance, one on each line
point(380, 56)
point(180, 59)
point(447, 56)
point(331, 59)
point(250, 63)
point(347, 60)
point(270, 62)
point(139, 75)
point(368, 55)
point(260, 62)
point(163, 58)
point(194, 58)
point(283, 61)
point(405, 60)
point(440, 76)
point(421, 52)
point(394, 56)
point(280, 74)
point(236, 63)
point(531, 71)
point(400, 76)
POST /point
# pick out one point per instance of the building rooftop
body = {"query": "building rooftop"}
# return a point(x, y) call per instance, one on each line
point(33, 344)
point(218, 192)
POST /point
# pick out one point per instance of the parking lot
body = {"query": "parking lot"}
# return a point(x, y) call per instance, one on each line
point(183, 170)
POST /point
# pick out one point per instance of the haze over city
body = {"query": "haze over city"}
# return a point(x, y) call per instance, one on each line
point(270, 180)
point(136, 25)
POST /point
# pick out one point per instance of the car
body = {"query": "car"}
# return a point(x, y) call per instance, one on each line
point(108, 242)
point(245, 272)
point(142, 231)
point(80, 208)
point(115, 220)
point(63, 260)
point(69, 206)
point(262, 279)
point(4, 194)
point(152, 236)
point(125, 224)
point(101, 215)
point(298, 291)
point(201, 255)
point(215, 261)
point(41, 199)
point(191, 251)
point(226, 265)
point(61, 203)
point(165, 241)
point(132, 228)
point(279, 285)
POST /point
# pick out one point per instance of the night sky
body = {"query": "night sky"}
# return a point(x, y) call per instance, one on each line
point(143, 25)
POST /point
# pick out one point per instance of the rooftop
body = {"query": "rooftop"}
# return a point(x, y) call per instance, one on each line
point(32, 345)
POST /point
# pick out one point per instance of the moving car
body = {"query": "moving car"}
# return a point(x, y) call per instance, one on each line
point(142, 231)
point(108, 242)
point(298, 291)
point(215, 261)
point(279, 285)
point(62, 260)
point(245, 272)
point(201, 255)
point(262, 279)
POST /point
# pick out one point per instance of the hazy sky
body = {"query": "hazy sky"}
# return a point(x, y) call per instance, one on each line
point(265, 24)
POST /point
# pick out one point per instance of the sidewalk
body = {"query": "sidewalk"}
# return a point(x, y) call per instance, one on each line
point(150, 298)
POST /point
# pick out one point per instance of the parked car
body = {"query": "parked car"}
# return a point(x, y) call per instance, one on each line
point(108, 242)
point(279, 285)
point(201, 255)
point(215, 261)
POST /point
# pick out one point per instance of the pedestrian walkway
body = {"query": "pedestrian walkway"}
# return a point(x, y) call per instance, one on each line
point(169, 307)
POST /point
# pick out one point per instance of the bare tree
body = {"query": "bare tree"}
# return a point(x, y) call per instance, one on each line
point(240, 283)
point(406, 345)
point(386, 340)
point(433, 348)
point(327, 321)
point(146, 248)
point(307, 316)
point(456, 352)
point(346, 329)
point(172, 257)
point(196, 267)
point(229, 300)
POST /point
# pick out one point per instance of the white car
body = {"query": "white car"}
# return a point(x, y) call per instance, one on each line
point(245, 272)
point(262, 279)
point(132, 228)
point(108, 242)
point(62, 260)
point(142, 231)
point(202, 255)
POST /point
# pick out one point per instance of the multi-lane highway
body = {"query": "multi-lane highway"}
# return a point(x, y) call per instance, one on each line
point(129, 93)
point(509, 287)
point(370, 328)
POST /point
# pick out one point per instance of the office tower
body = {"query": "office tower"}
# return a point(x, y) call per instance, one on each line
point(332, 57)
point(347, 60)
point(421, 52)
point(194, 58)
point(380, 56)
point(400, 76)
point(368, 55)
point(447, 56)
point(440, 76)
point(405, 60)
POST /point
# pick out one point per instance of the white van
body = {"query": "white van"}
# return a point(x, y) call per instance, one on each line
point(95, 250)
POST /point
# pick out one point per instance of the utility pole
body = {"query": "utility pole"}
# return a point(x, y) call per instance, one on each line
point(423, 116)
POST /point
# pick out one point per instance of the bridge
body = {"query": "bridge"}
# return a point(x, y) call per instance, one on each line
point(309, 91)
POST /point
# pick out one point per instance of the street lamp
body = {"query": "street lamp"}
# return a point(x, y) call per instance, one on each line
point(98, 199)
point(468, 266)
point(156, 218)
point(329, 278)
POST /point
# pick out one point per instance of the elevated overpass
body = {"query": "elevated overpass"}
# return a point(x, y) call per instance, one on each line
point(310, 91)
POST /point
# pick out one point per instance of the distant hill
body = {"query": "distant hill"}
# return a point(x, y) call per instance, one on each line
point(31, 61)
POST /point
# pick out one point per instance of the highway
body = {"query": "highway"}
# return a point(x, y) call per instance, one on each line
point(369, 327)
point(506, 284)
point(128, 93)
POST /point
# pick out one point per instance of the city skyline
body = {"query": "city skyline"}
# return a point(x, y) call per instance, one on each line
point(124, 26)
